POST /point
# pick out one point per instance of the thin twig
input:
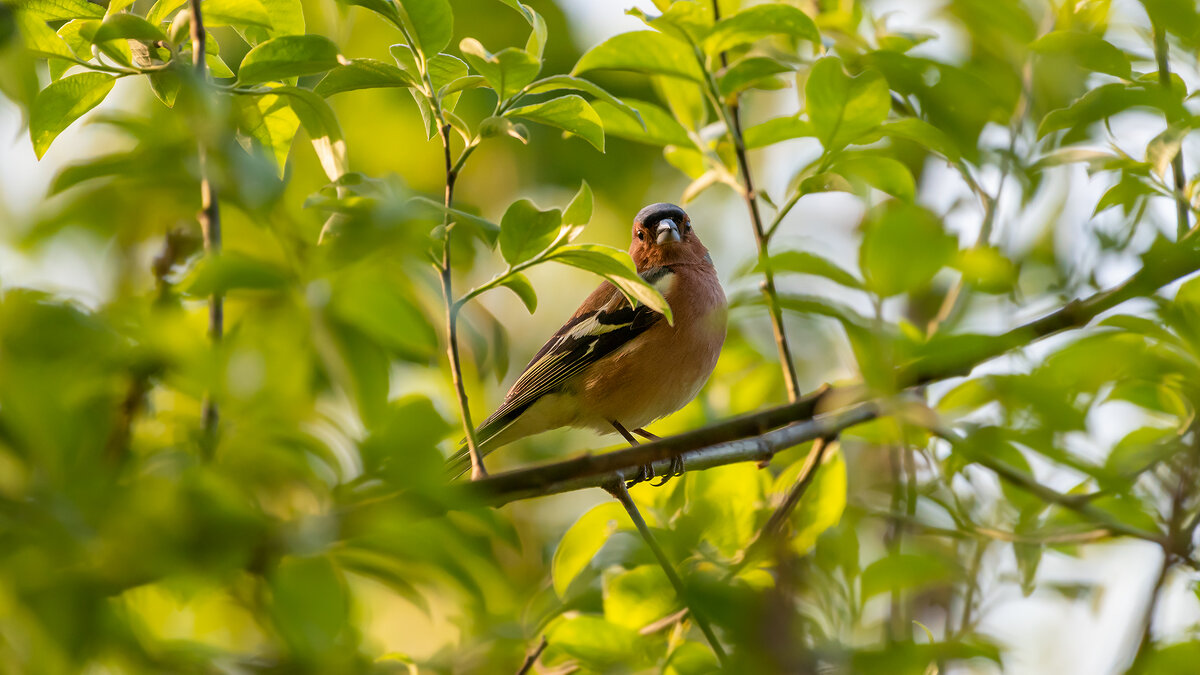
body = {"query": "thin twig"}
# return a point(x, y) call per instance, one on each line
point(209, 217)
point(761, 240)
point(532, 657)
point(1161, 55)
point(618, 490)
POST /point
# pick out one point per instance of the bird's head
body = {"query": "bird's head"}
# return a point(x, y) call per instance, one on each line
point(663, 235)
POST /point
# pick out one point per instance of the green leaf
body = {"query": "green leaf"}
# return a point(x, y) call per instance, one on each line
point(822, 506)
point(1161, 150)
point(271, 122)
point(750, 72)
point(60, 10)
point(987, 269)
point(1108, 100)
point(570, 113)
point(63, 102)
point(128, 27)
point(309, 604)
point(507, 71)
point(39, 39)
point(526, 231)
point(237, 13)
point(385, 8)
point(579, 211)
point(228, 271)
point(583, 540)
point(322, 128)
point(286, 17)
point(518, 283)
point(905, 572)
point(922, 133)
point(636, 598)
point(903, 246)
point(804, 262)
point(882, 173)
point(617, 268)
point(430, 24)
point(385, 312)
point(760, 21)
point(1088, 50)
point(596, 643)
point(726, 502)
point(843, 108)
point(491, 127)
point(646, 52)
point(158, 13)
point(488, 230)
point(362, 74)
point(776, 130)
point(288, 56)
point(658, 128)
point(558, 82)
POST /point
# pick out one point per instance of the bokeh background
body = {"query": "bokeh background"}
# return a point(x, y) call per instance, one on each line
point(192, 532)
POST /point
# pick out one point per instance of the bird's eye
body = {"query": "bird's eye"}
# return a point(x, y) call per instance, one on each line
point(641, 235)
point(687, 226)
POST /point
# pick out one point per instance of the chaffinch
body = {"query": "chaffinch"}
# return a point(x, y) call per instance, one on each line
point(616, 367)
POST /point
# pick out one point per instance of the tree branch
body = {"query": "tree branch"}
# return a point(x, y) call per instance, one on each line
point(209, 217)
point(748, 437)
point(761, 239)
point(532, 657)
point(618, 490)
point(1161, 55)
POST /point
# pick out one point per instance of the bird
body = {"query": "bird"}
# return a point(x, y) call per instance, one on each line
point(617, 366)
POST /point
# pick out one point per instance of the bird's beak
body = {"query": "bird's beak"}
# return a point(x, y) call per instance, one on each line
point(667, 231)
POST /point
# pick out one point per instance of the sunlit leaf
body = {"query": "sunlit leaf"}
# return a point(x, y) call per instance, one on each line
point(806, 262)
point(842, 108)
point(526, 230)
point(646, 52)
point(1088, 50)
point(288, 56)
point(518, 283)
point(638, 597)
point(128, 27)
point(570, 113)
point(583, 540)
point(507, 71)
point(63, 102)
point(239, 13)
point(430, 23)
point(617, 268)
point(903, 246)
point(362, 74)
point(659, 127)
point(557, 82)
point(760, 21)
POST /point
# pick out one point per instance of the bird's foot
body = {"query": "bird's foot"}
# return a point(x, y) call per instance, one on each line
point(645, 473)
point(676, 469)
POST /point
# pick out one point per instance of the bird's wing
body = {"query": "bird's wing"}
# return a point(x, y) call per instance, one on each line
point(589, 336)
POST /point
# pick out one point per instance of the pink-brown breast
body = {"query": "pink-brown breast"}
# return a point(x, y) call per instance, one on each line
point(664, 368)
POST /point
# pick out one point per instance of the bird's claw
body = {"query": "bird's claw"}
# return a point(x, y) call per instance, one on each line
point(676, 469)
point(646, 473)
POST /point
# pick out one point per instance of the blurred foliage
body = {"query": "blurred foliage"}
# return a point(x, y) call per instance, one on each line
point(1000, 161)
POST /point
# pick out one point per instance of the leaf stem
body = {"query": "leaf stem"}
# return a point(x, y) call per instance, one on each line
point(618, 490)
point(209, 217)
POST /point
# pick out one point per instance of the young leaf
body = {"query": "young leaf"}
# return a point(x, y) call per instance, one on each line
point(755, 71)
point(617, 268)
point(491, 127)
point(569, 113)
point(903, 246)
point(384, 8)
point(583, 540)
point(271, 122)
point(63, 102)
point(60, 10)
point(882, 173)
point(1088, 50)
point(822, 506)
point(557, 82)
point(128, 27)
point(518, 283)
point(237, 13)
point(288, 56)
point(842, 108)
point(362, 74)
point(923, 133)
point(776, 130)
point(430, 24)
point(646, 52)
point(757, 22)
point(322, 127)
point(487, 230)
point(39, 39)
point(161, 10)
point(229, 271)
point(286, 17)
point(579, 211)
point(526, 231)
point(507, 71)
point(804, 262)
point(638, 597)
point(657, 128)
